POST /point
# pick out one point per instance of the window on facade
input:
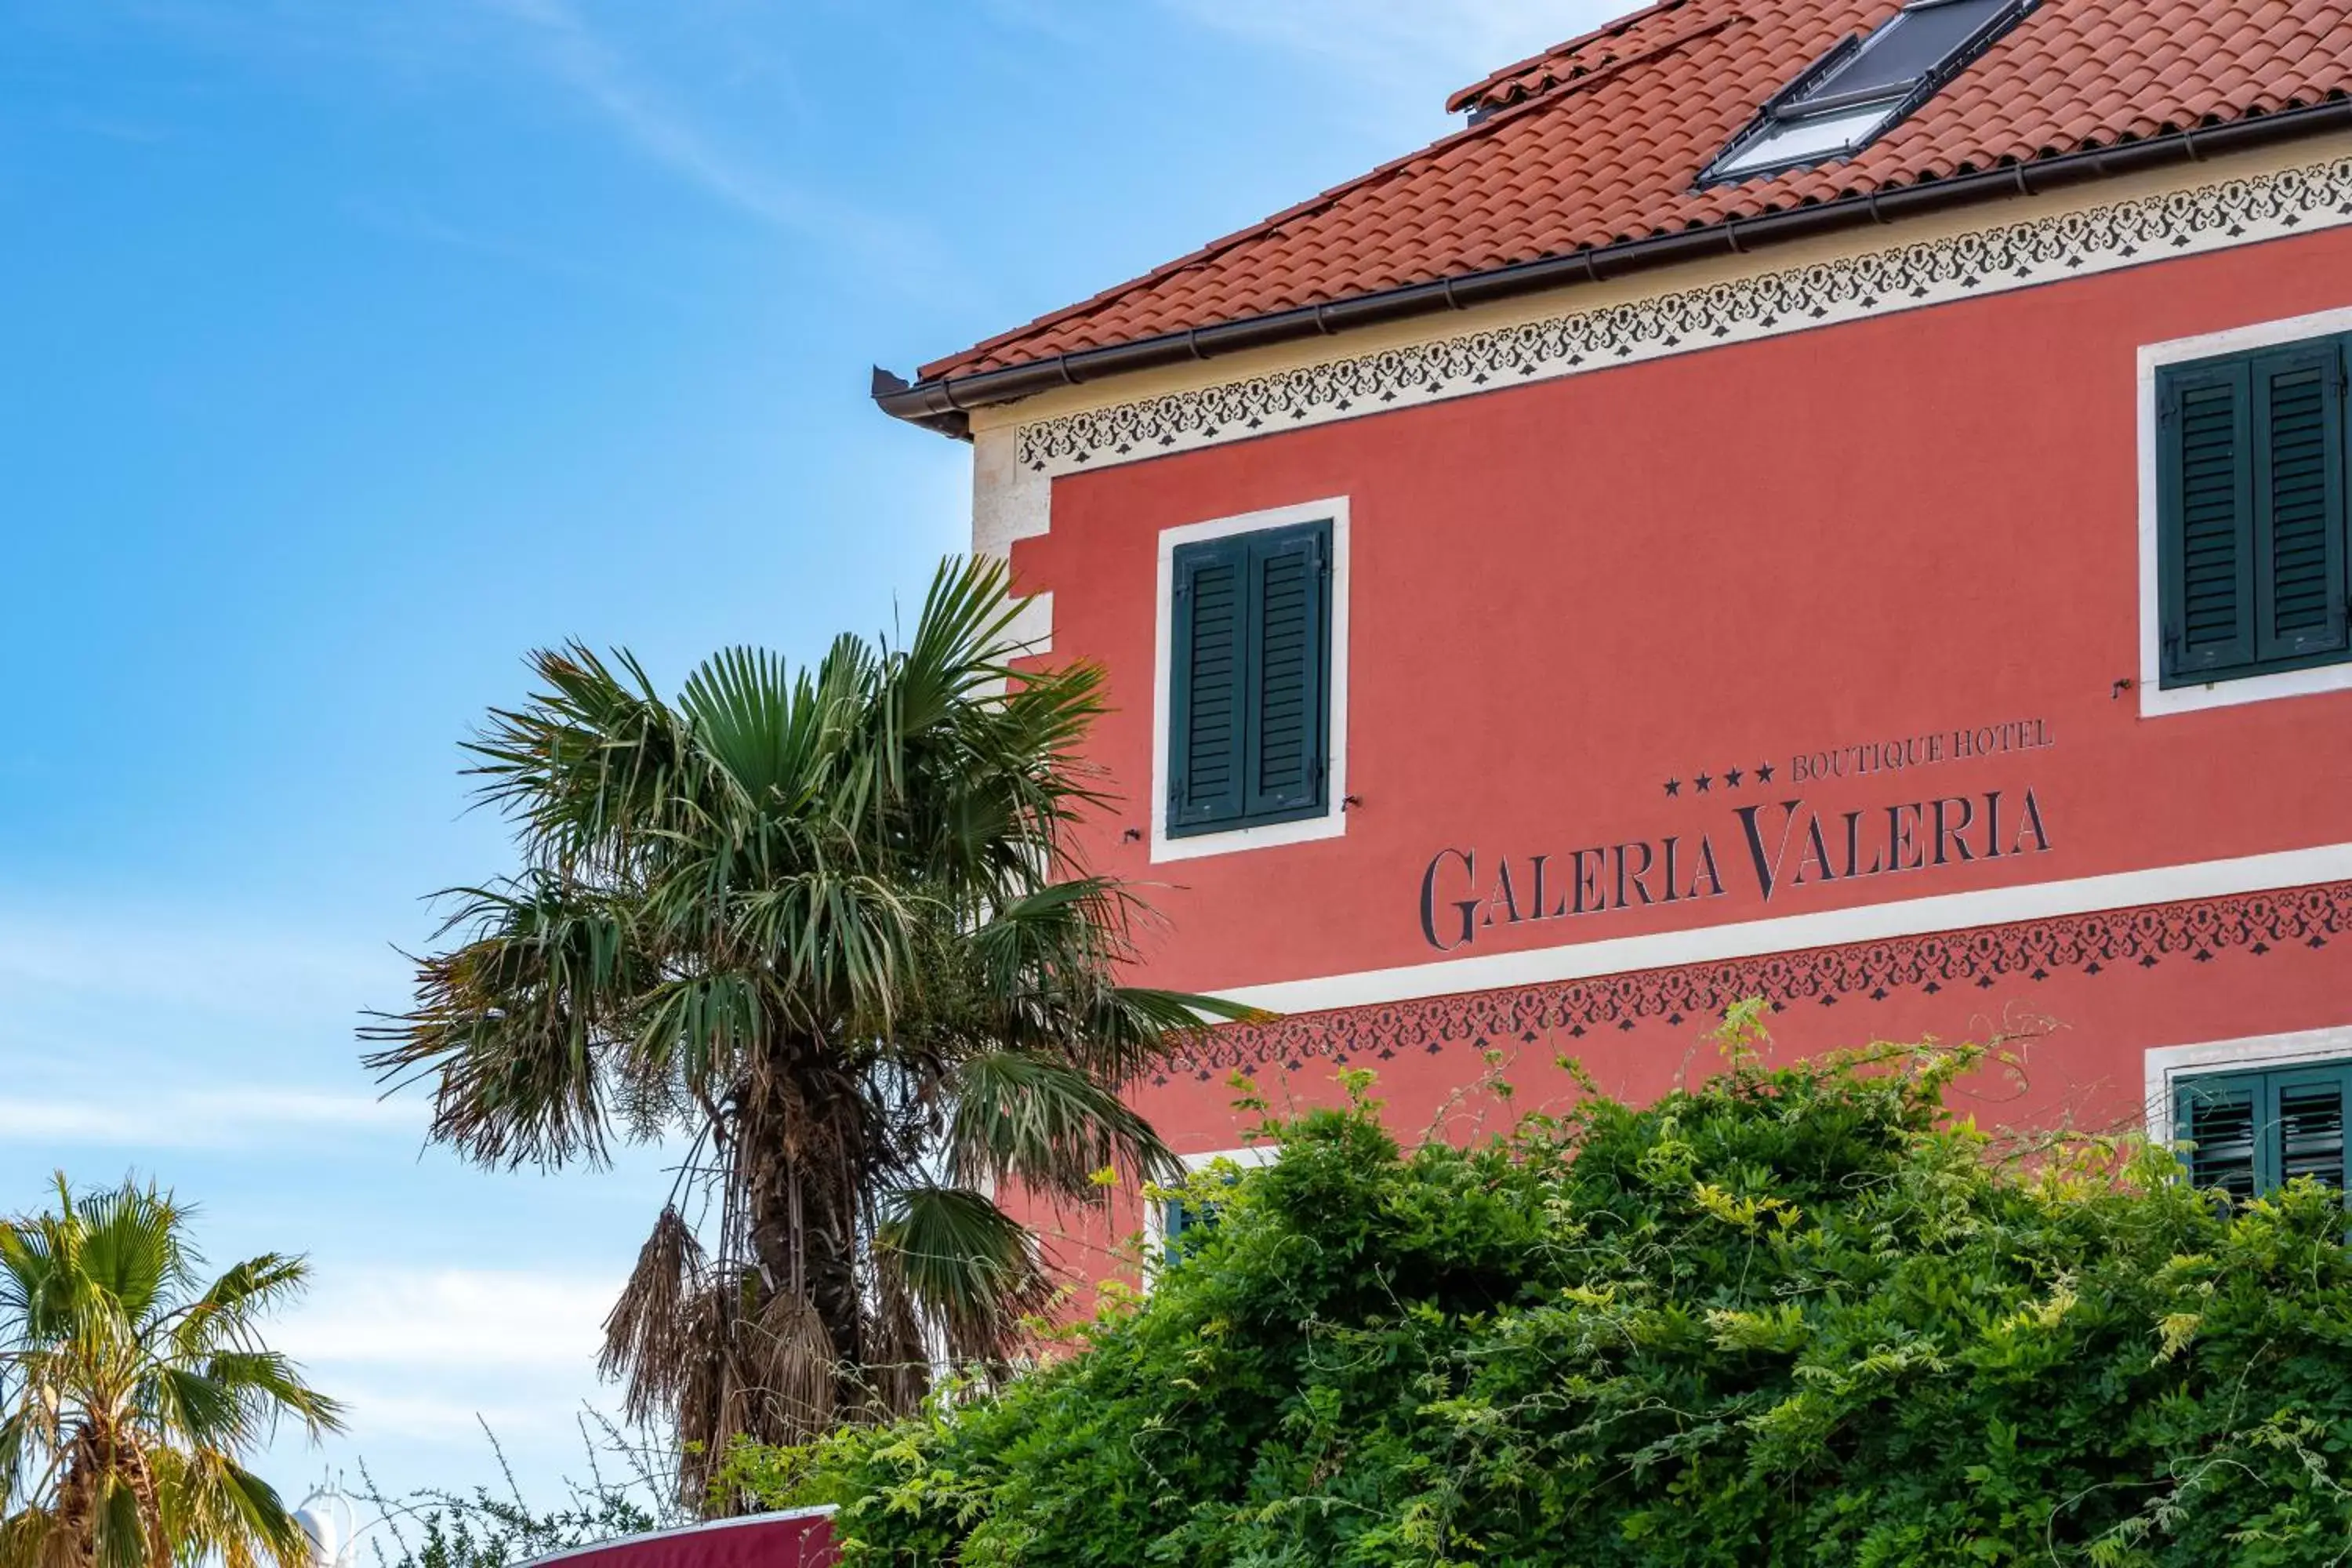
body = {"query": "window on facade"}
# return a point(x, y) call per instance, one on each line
point(1181, 1224)
point(2251, 1132)
point(1249, 679)
point(1849, 95)
point(2252, 513)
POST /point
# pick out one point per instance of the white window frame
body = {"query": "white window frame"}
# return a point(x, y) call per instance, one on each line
point(1333, 822)
point(1155, 1210)
point(2167, 1065)
point(2153, 699)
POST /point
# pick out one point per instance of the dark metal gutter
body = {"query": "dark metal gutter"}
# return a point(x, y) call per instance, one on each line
point(942, 405)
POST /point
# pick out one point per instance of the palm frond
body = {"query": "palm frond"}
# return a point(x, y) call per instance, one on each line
point(966, 1265)
point(118, 1536)
point(25, 1538)
point(226, 1311)
point(838, 944)
point(700, 1029)
point(959, 646)
point(1047, 1125)
point(130, 1246)
point(513, 1023)
point(203, 1408)
point(1069, 927)
point(1126, 1028)
point(220, 1512)
point(764, 727)
point(17, 1439)
point(36, 1273)
point(593, 768)
point(269, 1388)
point(990, 794)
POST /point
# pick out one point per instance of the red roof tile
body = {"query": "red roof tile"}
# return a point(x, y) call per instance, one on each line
point(1602, 141)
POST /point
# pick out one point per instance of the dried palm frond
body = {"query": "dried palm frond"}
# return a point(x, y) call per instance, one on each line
point(649, 1340)
point(738, 1406)
point(797, 1368)
point(25, 1538)
point(707, 1387)
point(899, 1357)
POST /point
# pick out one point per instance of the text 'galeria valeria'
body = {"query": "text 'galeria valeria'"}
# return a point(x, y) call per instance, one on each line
point(1841, 502)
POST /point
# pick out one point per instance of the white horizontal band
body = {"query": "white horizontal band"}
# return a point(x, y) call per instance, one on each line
point(1790, 934)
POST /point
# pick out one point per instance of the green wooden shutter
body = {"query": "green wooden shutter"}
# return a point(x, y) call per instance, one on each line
point(1207, 684)
point(2206, 510)
point(1249, 679)
point(1180, 1219)
point(2299, 514)
point(1175, 1219)
point(2308, 1108)
point(1289, 655)
point(2222, 1118)
point(2252, 1132)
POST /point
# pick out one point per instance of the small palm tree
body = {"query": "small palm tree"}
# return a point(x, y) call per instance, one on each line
point(130, 1397)
point(827, 931)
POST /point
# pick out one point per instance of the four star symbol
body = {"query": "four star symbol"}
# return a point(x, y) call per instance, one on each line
point(1732, 779)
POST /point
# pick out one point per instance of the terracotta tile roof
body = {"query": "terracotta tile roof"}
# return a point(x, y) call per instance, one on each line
point(1601, 140)
point(1643, 35)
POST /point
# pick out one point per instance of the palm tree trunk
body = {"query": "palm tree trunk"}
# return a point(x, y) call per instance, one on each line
point(99, 1460)
point(800, 1175)
point(140, 1475)
point(72, 1540)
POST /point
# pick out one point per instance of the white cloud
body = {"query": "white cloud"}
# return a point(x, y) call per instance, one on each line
point(461, 1319)
point(433, 1363)
point(205, 1119)
point(436, 1353)
point(160, 1028)
point(378, 1412)
point(191, 958)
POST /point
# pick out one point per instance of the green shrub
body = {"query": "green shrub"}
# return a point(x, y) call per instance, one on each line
point(1790, 1316)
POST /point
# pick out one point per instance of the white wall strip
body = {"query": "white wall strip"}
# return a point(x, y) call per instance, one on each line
point(1791, 933)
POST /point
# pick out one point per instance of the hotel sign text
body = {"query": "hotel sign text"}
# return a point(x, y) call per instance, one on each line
point(1765, 850)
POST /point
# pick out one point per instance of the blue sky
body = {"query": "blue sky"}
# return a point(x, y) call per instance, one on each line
point(349, 350)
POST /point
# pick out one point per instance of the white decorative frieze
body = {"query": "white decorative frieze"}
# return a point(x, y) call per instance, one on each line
point(1928, 272)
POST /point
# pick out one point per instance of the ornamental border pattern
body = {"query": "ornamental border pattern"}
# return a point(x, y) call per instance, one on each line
point(2199, 930)
point(1929, 272)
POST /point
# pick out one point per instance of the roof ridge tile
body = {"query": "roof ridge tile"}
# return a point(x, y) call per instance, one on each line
point(1474, 95)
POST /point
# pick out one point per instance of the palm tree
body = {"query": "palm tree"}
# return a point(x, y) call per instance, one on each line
point(827, 931)
point(129, 1397)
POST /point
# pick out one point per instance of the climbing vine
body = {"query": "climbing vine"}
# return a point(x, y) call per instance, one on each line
point(1794, 1315)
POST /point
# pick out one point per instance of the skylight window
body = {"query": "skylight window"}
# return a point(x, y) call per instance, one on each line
point(1845, 99)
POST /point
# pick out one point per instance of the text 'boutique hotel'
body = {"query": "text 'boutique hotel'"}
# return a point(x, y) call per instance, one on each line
point(1838, 501)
